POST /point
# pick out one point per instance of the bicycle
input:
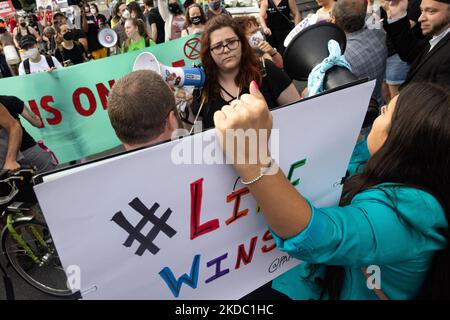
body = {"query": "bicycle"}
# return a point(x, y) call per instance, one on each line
point(25, 239)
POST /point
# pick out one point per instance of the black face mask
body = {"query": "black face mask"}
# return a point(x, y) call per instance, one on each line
point(23, 24)
point(68, 36)
point(196, 20)
point(174, 8)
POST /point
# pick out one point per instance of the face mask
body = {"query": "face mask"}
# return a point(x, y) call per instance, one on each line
point(23, 24)
point(68, 36)
point(215, 5)
point(174, 8)
point(255, 39)
point(196, 20)
point(93, 11)
point(33, 53)
point(2, 30)
point(126, 14)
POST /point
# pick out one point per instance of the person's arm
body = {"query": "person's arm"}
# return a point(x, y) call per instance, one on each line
point(398, 28)
point(289, 95)
point(275, 56)
point(367, 231)
point(84, 42)
point(31, 118)
point(35, 34)
point(14, 138)
point(14, 38)
point(163, 9)
point(262, 17)
point(282, 200)
point(295, 11)
point(84, 24)
point(154, 31)
point(184, 33)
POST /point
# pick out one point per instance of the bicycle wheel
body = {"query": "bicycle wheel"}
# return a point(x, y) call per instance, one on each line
point(49, 275)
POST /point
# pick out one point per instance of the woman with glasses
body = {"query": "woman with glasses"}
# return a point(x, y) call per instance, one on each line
point(230, 65)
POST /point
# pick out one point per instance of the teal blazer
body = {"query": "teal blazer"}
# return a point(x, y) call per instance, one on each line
point(393, 227)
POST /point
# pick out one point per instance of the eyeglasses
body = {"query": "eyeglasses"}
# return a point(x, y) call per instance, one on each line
point(231, 45)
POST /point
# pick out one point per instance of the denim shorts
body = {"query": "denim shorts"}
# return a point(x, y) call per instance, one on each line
point(396, 70)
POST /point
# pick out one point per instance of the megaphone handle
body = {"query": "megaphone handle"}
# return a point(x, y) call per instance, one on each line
point(196, 116)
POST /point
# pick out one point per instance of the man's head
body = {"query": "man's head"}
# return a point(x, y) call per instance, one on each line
point(435, 17)
point(59, 18)
point(142, 109)
point(29, 44)
point(350, 15)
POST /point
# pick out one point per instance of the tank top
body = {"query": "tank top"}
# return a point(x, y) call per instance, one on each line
point(19, 33)
point(275, 20)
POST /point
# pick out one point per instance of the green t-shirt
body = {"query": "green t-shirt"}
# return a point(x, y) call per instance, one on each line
point(138, 45)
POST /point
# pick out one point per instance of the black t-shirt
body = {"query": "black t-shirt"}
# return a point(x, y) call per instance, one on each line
point(273, 84)
point(75, 55)
point(15, 107)
point(154, 17)
point(92, 34)
point(78, 34)
point(278, 20)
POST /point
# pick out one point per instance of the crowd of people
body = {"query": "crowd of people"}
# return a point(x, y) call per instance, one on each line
point(395, 207)
point(72, 36)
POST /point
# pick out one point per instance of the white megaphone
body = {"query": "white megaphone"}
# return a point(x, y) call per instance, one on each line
point(176, 76)
point(107, 37)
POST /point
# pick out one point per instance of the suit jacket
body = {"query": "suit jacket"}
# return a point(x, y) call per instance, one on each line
point(433, 66)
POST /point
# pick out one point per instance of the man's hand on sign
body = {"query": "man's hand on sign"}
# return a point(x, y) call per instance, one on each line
point(51, 69)
point(11, 165)
point(249, 112)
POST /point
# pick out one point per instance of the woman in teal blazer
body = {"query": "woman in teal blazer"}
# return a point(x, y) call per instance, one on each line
point(394, 214)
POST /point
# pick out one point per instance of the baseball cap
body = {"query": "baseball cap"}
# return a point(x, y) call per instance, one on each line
point(27, 40)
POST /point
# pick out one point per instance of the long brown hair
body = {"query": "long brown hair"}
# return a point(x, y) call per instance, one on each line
point(141, 29)
point(249, 68)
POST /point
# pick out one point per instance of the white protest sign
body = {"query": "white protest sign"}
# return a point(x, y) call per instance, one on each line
point(44, 4)
point(203, 237)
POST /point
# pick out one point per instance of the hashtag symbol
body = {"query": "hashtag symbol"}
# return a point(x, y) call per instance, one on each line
point(148, 215)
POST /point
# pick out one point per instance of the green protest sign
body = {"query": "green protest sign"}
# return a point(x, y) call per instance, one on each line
point(71, 102)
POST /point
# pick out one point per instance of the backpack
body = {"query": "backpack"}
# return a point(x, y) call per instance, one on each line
point(26, 64)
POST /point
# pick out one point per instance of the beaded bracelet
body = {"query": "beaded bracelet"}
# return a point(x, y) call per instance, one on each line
point(263, 173)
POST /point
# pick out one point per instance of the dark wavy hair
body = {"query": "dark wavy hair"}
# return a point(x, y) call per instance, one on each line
point(136, 8)
point(415, 154)
point(249, 67)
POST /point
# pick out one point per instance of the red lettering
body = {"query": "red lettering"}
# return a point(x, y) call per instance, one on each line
point(34, 108)
point(268, 236)
point(103, 92)
point(57, 117)
point(236, 195)
point(77, 103)
point(242, 254)
point(198, 229)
